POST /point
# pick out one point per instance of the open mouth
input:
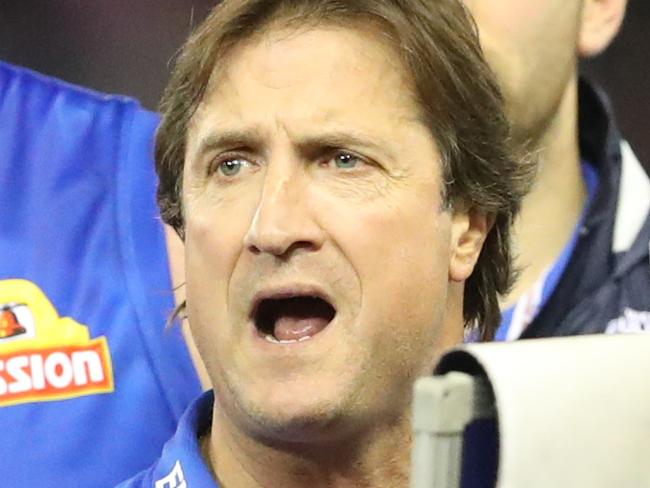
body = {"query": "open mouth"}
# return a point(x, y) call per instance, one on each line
point(292, 319)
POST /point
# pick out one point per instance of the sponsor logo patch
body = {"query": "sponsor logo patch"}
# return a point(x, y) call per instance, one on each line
point(45, 357)
point(630, 322)
point(175, 479)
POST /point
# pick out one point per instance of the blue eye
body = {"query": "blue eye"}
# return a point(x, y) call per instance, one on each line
point(230, 167)
point(346, 161)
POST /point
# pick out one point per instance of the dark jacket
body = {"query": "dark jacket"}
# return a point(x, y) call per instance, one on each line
point(606, 285)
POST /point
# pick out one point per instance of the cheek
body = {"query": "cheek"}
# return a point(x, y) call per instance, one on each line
point(210, 258)
point(205, 280)
point(210, 252)
point(213, 245)
point(401, 256)
point(507, 19)
point(403, 262)
point(215, 226)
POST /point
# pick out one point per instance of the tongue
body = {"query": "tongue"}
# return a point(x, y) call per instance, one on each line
point(291, 328)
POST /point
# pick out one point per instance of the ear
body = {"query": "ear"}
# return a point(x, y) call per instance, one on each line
point(601, 21)
point(469, 229)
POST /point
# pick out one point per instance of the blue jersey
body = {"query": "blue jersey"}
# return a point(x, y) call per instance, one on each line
point(181, 464)
point(91, 382)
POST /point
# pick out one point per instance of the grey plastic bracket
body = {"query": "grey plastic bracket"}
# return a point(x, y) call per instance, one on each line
point(442, 408)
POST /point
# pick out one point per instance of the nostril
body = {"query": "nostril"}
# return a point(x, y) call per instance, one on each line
point(269, 241)
point(253, 249)
point(281, 249)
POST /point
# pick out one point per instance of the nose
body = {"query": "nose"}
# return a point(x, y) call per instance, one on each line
point(284, 219)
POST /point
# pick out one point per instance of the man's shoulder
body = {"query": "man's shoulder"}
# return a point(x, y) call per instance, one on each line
point(73, 124)
point(607, 279)
point(607, 287)
point(18, 82)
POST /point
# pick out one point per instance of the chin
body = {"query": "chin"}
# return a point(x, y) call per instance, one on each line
point(287, 415)
point(316, 422)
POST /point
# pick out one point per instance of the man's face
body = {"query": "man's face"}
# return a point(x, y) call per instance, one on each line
point(532, 46)
point(318, 251)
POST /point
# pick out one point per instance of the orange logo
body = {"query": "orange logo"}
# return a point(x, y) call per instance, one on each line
point(43, 356)
point(9, 325)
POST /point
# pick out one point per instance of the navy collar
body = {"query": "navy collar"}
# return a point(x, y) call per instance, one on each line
point(181, 464)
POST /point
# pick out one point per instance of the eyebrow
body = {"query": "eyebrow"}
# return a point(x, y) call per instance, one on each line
point(342, 139)
point(229, 139)
point(306, 144)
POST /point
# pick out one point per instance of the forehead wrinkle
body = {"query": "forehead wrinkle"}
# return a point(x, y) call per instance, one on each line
point(281, 127)
point(324, 129)
point(226, 96)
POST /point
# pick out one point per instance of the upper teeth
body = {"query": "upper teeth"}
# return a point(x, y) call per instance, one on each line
point(272, 339)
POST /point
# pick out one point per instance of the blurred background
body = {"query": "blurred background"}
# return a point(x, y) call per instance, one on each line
point(125, 46)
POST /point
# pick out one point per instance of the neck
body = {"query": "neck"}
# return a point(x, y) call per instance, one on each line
point(552, 209)
point(378, 459)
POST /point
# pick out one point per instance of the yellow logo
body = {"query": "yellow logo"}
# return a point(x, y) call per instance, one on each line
point(43, 356)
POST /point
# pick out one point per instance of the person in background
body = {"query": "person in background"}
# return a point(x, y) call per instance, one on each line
point(582, 237)
point(341, 175)
point(91, 383)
